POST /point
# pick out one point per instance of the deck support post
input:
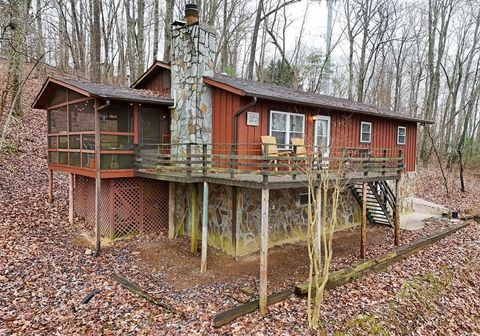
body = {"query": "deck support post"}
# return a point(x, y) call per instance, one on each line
point(50, 186)
point(70, 198)
point(98, 177)
point(397, 213)
point(363, 227)
point(203, 265)
point(193, 218)
point(264, 253)
point(171, 210)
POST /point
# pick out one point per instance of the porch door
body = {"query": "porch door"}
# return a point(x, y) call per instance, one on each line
point(322, 135)
point(154, 126)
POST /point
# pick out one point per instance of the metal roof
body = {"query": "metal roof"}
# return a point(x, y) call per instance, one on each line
point(104, 91)
point(279, 93)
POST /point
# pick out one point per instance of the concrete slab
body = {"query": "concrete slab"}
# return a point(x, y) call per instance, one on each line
point(422, 210)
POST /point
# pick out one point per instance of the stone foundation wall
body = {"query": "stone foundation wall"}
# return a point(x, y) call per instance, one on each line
point(219, 214)
point(407, 190)
point(287, 217)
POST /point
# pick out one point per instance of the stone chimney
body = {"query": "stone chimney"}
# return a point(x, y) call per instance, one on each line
point(193, 54)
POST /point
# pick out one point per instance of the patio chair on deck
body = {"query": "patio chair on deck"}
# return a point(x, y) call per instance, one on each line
point(270, 149)
point(299, 150)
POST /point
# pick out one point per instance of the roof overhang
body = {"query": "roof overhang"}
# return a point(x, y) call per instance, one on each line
point(245, 93)
point(48, 87)
point(51, 84)
point(223, 86)
point(156, 66)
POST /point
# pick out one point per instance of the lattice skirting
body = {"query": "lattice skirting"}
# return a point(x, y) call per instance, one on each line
point(127, 205)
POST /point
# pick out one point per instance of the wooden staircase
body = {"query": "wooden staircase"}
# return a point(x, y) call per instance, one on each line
point(380, 202)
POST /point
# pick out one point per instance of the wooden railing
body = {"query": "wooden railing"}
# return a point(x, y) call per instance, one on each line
point(252, 159)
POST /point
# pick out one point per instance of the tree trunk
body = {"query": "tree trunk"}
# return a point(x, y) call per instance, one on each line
point(95, 69)
point(156, 29)
point(253, 48)
point(140, 37)
point(167, 42)
point(16, 56)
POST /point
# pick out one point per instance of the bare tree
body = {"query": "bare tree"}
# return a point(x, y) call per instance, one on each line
point(167, 42)
point(95, 66)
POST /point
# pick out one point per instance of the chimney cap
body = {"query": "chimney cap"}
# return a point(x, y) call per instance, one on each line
point(191, 14)
point(191, 6)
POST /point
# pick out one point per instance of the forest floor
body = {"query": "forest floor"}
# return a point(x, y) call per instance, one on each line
point(44, 272)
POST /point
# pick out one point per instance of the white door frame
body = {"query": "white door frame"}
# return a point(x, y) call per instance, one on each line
point(326, 118)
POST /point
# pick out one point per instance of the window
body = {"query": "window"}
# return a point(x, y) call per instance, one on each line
point(401, 135)
point(285, 126)
point(365, 132)
point(303, 199)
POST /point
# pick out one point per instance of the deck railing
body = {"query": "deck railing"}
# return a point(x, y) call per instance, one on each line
point(231, 159)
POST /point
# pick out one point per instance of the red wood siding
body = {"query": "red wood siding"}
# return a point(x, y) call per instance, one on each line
point(158, 81)
point(344, 129)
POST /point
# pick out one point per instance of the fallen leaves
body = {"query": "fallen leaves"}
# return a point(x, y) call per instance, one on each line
point(44, 274)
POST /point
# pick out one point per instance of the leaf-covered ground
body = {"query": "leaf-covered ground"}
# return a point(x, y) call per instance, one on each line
point(44, 274)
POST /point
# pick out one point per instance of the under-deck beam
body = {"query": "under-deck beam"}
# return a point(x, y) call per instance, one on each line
point(264, 253)
point(70, 198)
point(397, 213)
point(171, 210)
point(363, 227)
point(203, 265)
point(50, 186)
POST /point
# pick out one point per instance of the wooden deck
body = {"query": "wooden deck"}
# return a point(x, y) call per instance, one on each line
point(257, 181)
point(246, 166)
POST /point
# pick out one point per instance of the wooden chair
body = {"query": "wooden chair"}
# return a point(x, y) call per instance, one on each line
point(270, 149)
point(299, 150)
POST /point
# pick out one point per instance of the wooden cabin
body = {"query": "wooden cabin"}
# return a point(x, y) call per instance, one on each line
point(185, 141)
point(140, 157)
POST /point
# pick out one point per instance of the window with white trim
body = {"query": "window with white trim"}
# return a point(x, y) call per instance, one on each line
point(401, 135)
point(365, 132)
point(285, 126)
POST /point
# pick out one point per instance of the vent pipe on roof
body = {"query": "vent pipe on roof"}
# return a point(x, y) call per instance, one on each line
point(191, 14)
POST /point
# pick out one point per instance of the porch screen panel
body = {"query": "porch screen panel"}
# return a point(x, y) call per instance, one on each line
point(150, 126)
point(116, 161)
point(82, 116)
point(57, 120)
point(116, 118)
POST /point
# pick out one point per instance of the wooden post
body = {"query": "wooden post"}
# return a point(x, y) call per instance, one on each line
point(397, 212)
point(193, 218)
point(234, 220)
point(97, 179)
point(50, 186)
point(264, 253)
point(363, 228)
point(203, 266)
point(171, 210)
point(136, 128)
point(70, 198)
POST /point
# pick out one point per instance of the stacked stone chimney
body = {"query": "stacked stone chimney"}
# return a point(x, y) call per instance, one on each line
point(193, 53)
